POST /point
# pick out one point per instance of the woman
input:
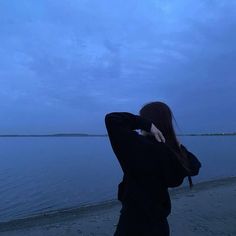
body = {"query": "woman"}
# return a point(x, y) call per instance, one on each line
point(151, 162)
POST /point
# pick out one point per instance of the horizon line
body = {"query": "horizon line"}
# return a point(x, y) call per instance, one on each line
point(104, 135)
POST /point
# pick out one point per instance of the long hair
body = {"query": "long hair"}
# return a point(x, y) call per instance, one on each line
point(161, 116)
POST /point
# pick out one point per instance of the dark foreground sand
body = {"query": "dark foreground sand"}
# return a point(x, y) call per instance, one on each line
point(208, 209)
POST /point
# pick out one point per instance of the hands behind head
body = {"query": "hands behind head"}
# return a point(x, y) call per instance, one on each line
point(157, 133)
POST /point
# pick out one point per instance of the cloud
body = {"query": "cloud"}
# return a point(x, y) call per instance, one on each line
point(103, 55)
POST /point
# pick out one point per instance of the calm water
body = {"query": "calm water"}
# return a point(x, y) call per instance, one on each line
point(45, 174)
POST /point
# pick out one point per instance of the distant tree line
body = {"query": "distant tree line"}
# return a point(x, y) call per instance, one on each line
point(98, 135)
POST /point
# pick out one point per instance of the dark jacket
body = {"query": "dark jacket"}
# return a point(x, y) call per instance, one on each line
point(149, 167)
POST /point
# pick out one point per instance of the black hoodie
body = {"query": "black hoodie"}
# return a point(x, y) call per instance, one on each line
point(149, 166)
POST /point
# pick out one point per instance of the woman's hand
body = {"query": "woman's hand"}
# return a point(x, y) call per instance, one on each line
point(157, 133)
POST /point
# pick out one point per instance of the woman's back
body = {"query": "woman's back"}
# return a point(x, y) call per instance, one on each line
point(149, 168)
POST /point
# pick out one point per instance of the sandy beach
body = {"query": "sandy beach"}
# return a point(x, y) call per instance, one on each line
point(208, 209)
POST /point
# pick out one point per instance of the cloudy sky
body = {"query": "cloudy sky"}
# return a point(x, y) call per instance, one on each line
point(64, 64)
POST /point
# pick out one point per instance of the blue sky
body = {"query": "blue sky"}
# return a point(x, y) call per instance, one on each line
point(65, 64)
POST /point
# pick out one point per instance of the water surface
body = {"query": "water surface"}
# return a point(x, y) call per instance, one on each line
point(45, 174)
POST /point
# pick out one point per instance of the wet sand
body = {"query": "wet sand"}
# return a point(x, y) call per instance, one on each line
point(208, 209)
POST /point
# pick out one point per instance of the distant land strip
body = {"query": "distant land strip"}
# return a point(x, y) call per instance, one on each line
point(97, 135)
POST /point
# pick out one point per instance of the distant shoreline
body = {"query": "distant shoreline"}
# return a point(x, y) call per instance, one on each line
point(60, 135)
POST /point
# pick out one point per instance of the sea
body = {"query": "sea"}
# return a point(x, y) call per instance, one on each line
point(39, 175)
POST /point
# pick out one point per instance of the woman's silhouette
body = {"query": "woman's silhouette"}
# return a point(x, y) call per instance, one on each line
point(151, 162)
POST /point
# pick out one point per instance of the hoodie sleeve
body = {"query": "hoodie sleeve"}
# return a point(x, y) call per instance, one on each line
point(128, 145)
point(174, 172)
point(194, 162)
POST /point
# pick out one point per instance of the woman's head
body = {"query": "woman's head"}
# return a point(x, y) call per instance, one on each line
point(161, 116)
